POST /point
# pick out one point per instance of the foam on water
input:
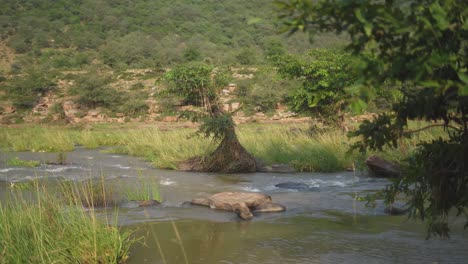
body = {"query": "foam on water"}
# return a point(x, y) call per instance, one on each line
point(62, 169)
point(250, 189)
point(167, 182)
point(120, 166)
point(10, 169)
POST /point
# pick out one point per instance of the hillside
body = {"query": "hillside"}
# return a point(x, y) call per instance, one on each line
point(140, 33)
point(48, 49)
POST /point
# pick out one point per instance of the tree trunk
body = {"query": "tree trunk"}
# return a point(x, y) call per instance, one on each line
point(230, 156)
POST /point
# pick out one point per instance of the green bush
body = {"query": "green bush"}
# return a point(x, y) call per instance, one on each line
point(263, 92)
point(93, 90)
point(25, 90)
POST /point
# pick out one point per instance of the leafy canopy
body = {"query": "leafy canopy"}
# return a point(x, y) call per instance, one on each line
point(200, 84)
point(419, 46)
point(326, 78)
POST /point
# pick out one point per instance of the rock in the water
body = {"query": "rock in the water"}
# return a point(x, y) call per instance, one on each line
point(242, 203)
point(147, 203)
point(293, 186)
point(269, 208)
point(383, 168)
point(277, 168)
point(392, 210)
point(243, 211)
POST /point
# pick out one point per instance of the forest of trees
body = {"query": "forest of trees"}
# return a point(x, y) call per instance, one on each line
point(140, 33)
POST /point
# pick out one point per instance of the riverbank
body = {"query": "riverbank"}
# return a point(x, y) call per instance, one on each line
point(293, 144)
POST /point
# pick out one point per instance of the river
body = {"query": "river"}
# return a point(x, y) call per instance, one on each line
point(324, 224)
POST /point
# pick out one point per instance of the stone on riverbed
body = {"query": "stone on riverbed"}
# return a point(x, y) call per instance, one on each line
point(295, 186)
point(242, 203)
point(383, 168)
point(146, 203)
point(276, 168)
point(392, 210)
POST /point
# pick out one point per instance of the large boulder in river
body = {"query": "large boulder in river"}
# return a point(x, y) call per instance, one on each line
point(382, 168)
point(242, 203)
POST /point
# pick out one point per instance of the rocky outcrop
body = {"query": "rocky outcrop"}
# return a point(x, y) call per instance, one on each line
point(382, 168)
point(242, 203)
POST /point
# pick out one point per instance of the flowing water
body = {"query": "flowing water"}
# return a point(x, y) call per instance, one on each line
point(323, 224)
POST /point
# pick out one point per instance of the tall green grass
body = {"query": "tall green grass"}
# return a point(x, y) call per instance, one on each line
point(296, 145)
point(45, 229)
point(36, 138)
point(165, 149)
point(17, 162)
point(147, 189)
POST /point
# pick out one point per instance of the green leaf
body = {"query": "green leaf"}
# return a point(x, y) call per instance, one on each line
point(463, 77)
point(368, 29)
point(430, 84)
point(367, 25)
point(359, 16)
point(463, 91)
point(439, 15)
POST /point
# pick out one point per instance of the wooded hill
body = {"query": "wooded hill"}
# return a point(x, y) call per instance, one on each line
point(141, 33)
point(57, 53)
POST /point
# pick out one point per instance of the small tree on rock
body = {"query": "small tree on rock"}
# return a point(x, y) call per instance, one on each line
point(200, 85)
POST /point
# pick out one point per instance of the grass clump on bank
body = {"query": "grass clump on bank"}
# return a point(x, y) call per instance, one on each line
point(295, 145)
point(17, 162)
point(146, 190)
point(36, 138)
point(45, 229)
point(92, 193)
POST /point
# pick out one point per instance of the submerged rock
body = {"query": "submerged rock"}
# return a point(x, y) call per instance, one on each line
point(277, 168)
point(383, 168)
point(392, 210)
point(293, 186)
point(242, 203)
point(147, 203)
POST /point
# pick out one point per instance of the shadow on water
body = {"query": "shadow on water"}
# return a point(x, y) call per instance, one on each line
point(323, 224)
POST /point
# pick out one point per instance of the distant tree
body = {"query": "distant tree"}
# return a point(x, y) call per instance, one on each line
point(93, 90)
point(420, 46)
point(326, 80)
point(191, 54)
point(273, 49)
point(202, 84)
point(246, 57)
point(25, 89)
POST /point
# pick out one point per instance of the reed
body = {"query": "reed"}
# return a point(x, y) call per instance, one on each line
point(17, 162)
point(146, 189)
point(45, 229)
